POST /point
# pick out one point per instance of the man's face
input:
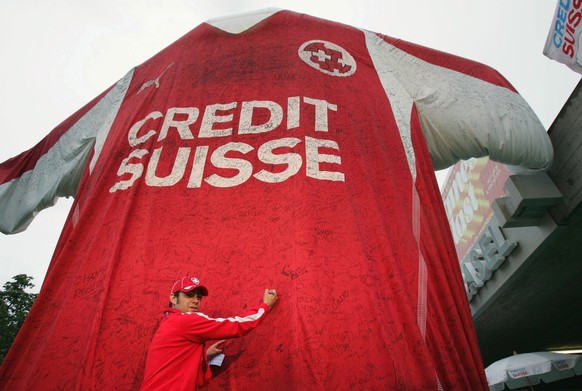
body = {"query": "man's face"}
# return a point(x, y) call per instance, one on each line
point(187, 301)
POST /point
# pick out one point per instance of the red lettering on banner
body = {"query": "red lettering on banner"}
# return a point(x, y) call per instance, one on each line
point(568, 23)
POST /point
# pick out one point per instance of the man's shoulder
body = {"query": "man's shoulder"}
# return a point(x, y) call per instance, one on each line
point(176, 316)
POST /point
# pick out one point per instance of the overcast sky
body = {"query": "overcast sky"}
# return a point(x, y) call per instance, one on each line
point(56, 55)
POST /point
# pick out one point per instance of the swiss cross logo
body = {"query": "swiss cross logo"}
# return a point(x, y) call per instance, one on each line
point(328, 58)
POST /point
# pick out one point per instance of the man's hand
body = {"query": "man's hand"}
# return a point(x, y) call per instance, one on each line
point(214, 349)
point(270, 297)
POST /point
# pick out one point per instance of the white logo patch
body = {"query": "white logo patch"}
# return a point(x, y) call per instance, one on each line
point(328, 58)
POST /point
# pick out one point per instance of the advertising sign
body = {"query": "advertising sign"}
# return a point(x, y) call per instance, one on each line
point(470, 189)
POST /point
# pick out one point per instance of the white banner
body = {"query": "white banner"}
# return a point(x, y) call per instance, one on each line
point(562, 43)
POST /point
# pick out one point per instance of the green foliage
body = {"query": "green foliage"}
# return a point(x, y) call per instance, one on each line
point(15, 304)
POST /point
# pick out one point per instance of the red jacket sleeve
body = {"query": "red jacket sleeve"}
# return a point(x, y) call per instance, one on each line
point(200, 327)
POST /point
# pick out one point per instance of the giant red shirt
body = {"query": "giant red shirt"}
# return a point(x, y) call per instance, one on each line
point(294, 152)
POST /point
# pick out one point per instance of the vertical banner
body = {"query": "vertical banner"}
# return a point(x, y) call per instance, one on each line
point(563, 42)
point(471, 187)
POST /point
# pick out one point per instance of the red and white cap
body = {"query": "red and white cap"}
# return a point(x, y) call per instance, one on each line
point(188, 284)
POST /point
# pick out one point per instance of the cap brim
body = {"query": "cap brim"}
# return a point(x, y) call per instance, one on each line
point(199, 287)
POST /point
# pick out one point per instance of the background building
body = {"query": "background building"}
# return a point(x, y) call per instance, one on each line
point(519, 241)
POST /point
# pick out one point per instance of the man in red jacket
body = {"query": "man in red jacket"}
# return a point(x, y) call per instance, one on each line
point(177, 359)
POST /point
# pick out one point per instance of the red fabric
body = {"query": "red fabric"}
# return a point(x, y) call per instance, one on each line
point(336, 238)
point(177, 358)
